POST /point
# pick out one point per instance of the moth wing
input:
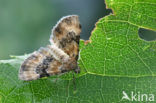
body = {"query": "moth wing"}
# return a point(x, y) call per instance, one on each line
point(66, 35)
point(28, 69)
point(43, 63)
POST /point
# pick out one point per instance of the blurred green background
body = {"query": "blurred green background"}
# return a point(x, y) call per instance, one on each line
point(25, 25)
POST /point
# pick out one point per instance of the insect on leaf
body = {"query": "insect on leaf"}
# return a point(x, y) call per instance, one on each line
point(115, 63)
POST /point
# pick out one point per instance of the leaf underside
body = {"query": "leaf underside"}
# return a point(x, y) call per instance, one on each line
point(115, 60)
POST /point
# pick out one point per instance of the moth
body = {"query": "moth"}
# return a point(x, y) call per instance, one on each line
point(57, 58)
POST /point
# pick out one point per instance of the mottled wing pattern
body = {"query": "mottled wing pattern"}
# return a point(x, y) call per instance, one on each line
point(59, 57)
point(66, 35)
point(34, 66)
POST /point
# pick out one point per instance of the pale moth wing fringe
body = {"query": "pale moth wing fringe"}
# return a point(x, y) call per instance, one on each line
point(60, 56)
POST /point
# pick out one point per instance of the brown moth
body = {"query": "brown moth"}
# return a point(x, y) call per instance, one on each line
point(57, 58)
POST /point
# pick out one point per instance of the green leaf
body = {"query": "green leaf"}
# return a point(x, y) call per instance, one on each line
point(115, 61)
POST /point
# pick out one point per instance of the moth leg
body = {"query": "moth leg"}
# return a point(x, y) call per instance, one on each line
point(77, 70)
point(74, 83)
point(57, 77)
